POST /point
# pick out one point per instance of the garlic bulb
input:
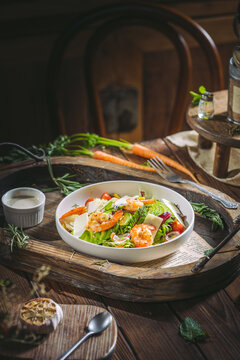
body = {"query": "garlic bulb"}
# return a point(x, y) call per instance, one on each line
point(41, 315)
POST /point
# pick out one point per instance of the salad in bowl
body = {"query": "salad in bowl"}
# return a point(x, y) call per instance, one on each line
point(107, 218)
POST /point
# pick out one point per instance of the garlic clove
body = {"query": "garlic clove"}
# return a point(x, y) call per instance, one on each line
point(41, 315)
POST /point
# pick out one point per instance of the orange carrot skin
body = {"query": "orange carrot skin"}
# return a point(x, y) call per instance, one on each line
point(76, 211)
point(100, 155)
point(142, 151)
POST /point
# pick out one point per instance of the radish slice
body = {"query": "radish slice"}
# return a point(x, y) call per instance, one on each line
point(172, 234)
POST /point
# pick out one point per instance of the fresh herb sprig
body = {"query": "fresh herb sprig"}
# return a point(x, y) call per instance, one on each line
point(196, 96)
point(18, 238)
point(91, 140)
point(65, 145)
point(64, 184)
point(210, 214)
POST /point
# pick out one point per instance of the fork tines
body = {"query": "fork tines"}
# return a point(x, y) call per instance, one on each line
point(157, 164)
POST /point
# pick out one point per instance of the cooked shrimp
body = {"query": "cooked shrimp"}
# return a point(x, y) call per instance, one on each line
point(100, 221)
point(141, 235)
point(133, 204)
point(76, 211)
point(148, 202)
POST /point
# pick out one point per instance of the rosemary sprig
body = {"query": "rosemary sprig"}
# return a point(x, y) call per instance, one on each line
point(18, 238)
point(210, 214)
point(64, 184)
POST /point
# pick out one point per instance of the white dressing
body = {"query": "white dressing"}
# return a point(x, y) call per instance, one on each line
point(23, 201)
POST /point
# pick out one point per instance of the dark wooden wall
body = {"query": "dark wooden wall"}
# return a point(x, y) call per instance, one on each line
point(28, 30)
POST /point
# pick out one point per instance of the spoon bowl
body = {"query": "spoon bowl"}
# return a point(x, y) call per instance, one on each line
point(96, 325)
point(99, 323)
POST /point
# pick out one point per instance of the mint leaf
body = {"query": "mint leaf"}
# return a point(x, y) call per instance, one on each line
point(191, 331)
point(202, 89)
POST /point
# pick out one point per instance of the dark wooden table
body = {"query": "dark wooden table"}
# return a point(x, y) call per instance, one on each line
point(149, 331)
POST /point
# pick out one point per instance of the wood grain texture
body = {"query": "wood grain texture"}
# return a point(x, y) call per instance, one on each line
point(219, 319)
point(136, 340)
point(156, 324)
point(221, 161)
point(73, 326)
point(151, 283)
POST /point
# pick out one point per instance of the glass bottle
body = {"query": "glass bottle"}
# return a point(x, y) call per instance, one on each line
point(234, 88)
point(206, 106)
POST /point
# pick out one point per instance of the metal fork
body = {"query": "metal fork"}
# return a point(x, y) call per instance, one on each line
point(166, 173)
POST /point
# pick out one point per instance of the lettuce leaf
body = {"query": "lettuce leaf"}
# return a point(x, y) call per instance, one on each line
point(158, 208)
point(99, 237)
point(162, 232)
point(139, 216)
point(125, 244)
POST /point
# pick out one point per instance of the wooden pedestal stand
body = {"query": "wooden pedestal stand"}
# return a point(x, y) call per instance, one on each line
point(218, 130)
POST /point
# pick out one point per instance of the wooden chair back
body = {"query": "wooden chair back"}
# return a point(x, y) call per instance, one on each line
point(112, 17)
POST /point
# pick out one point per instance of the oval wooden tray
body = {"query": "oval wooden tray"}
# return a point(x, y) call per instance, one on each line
point(140, 282)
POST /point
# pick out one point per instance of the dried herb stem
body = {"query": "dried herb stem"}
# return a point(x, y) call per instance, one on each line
point(64, 184)
point(18, 238)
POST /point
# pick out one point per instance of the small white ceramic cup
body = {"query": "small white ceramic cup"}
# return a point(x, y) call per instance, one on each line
point(20, 212)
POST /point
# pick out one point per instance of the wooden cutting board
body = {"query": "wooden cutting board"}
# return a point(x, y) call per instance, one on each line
point(73, 326)
point(137, 282)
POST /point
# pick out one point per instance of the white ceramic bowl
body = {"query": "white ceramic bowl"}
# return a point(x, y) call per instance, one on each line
point(19, 213)
point(124, 187)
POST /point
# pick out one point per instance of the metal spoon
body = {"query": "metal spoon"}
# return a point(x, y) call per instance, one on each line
point(97, 324)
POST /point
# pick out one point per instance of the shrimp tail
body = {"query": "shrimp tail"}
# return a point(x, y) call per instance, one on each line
point(76, 211)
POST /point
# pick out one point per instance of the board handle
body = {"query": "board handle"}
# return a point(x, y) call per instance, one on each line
point(26, 151)
point(203, 261)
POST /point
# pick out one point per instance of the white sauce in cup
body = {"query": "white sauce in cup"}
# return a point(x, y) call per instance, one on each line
point(23, 201)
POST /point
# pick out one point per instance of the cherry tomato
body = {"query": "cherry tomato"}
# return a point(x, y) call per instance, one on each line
point(177, 226)
point(88, 200)
point(106, 196)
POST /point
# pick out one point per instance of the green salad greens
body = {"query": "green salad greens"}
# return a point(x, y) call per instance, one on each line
point(126, 222)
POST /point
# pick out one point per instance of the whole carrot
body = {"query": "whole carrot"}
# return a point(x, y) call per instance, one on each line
point(142, 151)
point(91, 140)
point(100, 155)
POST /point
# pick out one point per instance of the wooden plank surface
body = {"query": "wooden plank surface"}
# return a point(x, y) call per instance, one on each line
point(116, 280)
point(136, 339)
point(72, 327)
point(219, 319)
